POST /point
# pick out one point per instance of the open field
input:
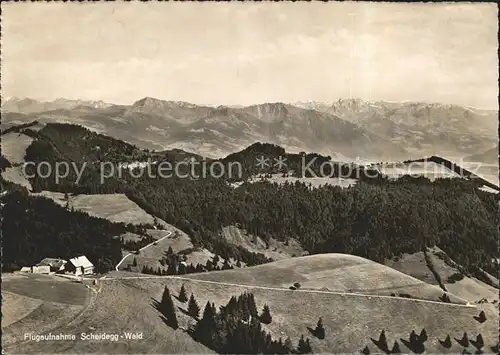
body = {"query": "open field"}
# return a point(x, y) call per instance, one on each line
point(113, 207)
point(277, 250)
point(48, 290)
point(15, 174)
point(18, 307)
point(39, 304)
point(331, 272)
point(314, 181)
point(117, 308)
point(350, 320)
point(468, 288)
point(14, 146)
point(430, 170)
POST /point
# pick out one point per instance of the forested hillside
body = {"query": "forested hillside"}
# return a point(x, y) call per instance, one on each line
point(34, 228)
point(376, 219)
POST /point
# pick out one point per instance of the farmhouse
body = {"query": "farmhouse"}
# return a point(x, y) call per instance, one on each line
point(55, 265)
point(41, 269)
point(80, 266)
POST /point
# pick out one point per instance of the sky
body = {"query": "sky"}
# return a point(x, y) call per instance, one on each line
point(250, 53)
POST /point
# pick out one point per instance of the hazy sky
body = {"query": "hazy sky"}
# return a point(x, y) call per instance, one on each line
point(246, 53)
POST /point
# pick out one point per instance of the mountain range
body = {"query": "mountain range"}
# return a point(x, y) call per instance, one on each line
point(346, 129)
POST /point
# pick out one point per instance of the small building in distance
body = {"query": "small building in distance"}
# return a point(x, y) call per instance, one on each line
point(55, 265)
point(41, 269)
point(80, 266)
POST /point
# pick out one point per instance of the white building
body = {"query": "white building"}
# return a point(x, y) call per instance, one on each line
point(56, 265)
point(41, 269)
point(80, 266)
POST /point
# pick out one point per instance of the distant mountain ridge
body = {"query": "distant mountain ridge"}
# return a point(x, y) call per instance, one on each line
point(423, 128)
point(28, 105)
point(489, 156)
point(348, 128)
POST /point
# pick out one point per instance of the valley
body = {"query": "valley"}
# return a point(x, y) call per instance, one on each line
point(306, 246)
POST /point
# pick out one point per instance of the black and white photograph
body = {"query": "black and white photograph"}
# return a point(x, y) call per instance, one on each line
point(249, 177)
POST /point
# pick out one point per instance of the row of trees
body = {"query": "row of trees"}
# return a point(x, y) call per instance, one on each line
point(137, 244)
point(177, 266)
point(234, 329)
point(181, 270)
point(416, 343)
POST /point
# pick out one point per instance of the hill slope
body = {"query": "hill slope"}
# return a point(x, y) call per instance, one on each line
point(330, 272)
point(121, 303)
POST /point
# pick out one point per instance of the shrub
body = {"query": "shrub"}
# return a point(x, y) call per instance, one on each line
point(455, 277)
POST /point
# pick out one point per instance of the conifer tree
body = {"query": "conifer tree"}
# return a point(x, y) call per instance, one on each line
point(209, 266)
point(320, 330)
point(265, 316)
point(252, 307)
point(423, 336)
point(395, 348)
point(182, 294)
point(166, 307)
point(413, 337)
point(447, 342)
point(205, 328)
point(382, 341)
point(304, 346)
point(193, 308)
point(215, 260)
point(226, 265)
point(495, 348)
point(172, 269)
point(479, 343)
point(365, 350)
point(134, 263)
point(308, 346)
point(482, 317)
point(182, 269)
point(190, 269)
point(465, 340)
